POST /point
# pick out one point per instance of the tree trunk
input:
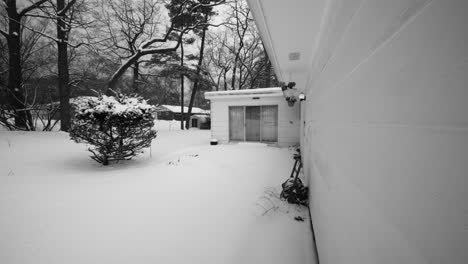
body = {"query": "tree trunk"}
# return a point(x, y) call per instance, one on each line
point(241, 77)
point(218, 82)
point(116, 76)
point(63, 73)
point(241, 36)
point(199, 65)
point(16, 98)
point(133, 59)
point(268, 69)
point(225, 80)
point(136, 69)
point(182, 87)
point(234, 68)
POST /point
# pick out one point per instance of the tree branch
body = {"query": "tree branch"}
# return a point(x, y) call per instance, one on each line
point(3, 33)
point(32, 7)
point(66, 8)
point(47, 36)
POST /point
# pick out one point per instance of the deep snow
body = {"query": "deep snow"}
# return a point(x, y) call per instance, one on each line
point(186, 202)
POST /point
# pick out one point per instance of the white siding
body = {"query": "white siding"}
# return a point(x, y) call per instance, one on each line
point(386, 136)
point(288, 118)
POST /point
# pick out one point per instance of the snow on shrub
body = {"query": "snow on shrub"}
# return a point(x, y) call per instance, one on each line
point(117, 128)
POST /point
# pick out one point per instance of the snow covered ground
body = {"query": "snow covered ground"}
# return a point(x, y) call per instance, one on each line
point(186, 202)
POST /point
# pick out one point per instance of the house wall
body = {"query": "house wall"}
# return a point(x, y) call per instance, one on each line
point(385, 142)
point(288, 118)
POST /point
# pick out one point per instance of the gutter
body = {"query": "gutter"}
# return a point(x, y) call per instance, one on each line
point(261, 92)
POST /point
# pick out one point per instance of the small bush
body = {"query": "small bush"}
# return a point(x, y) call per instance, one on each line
point(117, 128)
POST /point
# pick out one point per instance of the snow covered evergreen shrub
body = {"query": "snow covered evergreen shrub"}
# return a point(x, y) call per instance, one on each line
point(117, 128)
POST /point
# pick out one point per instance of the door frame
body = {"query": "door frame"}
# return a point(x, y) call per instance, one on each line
point(262, 123)
point(259, 107)
point(245, 124)
point(229, 123)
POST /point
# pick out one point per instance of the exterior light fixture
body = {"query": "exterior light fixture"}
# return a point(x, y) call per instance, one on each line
point(302, 97)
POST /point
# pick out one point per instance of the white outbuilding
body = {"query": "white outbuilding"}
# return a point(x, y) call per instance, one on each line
point(254, 115)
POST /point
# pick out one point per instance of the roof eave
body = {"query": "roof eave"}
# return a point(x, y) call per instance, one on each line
point(256, 8)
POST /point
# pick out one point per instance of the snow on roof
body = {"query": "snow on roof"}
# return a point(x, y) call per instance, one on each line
point(176, 109)
point(274, 91)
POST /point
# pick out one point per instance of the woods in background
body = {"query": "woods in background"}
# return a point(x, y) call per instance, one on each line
point(167, 51)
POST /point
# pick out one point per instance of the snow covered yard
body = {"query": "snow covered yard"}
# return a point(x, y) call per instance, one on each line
point(187, 202)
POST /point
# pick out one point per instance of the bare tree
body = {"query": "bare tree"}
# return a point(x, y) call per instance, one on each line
point(125, 26)
point(64, 12)
point(154, 44)
point(242, 20)
point(66, 16)
point(247, 60)
point(218, 61)
point(16, 98)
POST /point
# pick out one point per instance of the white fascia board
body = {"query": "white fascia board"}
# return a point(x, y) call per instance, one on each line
point(262, 92)
point(262, 25)
point(228, 97)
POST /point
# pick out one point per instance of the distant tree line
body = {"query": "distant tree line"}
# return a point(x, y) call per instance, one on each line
point(168, 51)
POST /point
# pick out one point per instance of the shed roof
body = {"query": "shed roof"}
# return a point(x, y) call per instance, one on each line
point(260, 92)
